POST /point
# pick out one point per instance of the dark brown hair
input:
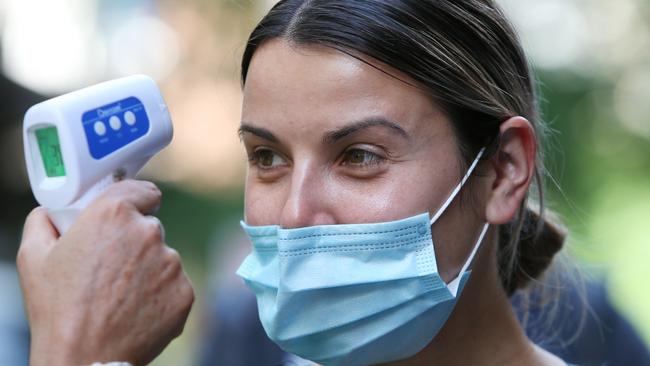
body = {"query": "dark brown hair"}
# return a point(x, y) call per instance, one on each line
point(466, 55)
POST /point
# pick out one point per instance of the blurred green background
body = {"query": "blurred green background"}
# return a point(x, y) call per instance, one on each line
point(592, 59)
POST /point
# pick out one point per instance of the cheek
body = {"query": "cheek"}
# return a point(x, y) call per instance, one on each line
point(262, 203)
point(415, 187)
point(387, 199)
point(408, 190)
point(363, 202)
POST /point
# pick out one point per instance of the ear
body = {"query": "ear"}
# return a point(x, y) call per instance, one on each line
point(514, 166)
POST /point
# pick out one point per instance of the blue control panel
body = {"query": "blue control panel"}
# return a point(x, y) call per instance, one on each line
point(113, 126)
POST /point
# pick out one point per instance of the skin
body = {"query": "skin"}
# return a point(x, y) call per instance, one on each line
point(312, 162)
point(107, 290)
point(110, 289)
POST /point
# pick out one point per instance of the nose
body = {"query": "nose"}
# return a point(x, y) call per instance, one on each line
point(307, 203)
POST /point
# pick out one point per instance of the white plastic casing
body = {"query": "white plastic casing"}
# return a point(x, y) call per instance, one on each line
point(92, 162)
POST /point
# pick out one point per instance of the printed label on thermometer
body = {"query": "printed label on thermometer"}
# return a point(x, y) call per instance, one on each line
point(77, 143)
point(115, 125)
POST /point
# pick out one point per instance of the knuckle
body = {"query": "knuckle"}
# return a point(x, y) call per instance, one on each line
point(186, 297)
point(147, 187)
point(157, 195)
point(153, 188)
point(172, 257)
point(172, 254)
point(187, 290)
point(153, 231)
point(189, 295)
point(115, 207)
point(171, 265)
point(22, 258)
point(119, 188)
point(128, 184)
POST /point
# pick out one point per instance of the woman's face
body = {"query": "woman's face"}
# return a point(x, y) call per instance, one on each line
point(332, 140)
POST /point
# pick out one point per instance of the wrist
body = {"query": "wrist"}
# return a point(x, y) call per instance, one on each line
point(52, 350)
point(49, 356)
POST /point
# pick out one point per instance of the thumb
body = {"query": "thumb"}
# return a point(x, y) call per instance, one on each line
point(38, 236)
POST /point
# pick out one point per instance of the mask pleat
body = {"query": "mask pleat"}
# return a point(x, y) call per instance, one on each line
point(361, 301)
point(353, 294)
point(371, 331)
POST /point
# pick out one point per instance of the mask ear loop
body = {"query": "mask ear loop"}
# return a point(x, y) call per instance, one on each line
point(455, 283)
point(460, 185)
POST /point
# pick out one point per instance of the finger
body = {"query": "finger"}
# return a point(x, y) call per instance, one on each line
point(38, 235)
point(160, 228)
point(143, 195)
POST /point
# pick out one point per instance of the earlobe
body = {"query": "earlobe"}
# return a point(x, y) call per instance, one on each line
point(514, 166)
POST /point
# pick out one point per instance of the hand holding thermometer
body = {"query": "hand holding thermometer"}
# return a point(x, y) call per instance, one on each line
point(79, 143)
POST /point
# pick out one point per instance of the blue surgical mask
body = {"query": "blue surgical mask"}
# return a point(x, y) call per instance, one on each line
point(353, 294)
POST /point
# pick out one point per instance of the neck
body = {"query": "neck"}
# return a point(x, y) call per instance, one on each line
point(482, 329)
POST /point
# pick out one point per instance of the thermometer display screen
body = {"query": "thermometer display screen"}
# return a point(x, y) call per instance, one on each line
point(50, 148)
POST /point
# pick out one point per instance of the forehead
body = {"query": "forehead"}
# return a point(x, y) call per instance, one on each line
point(304, 85)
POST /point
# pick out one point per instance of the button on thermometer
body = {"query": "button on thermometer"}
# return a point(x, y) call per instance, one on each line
point(79, 143)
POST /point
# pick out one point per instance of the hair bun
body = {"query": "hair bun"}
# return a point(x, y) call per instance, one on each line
point(541, 237)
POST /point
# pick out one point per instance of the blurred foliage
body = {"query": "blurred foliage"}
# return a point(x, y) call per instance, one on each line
point(190, 219)
point(600, 184)
point(589, 149)
point(603, 173)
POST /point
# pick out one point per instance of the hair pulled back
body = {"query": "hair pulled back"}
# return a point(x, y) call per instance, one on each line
point(466, 55)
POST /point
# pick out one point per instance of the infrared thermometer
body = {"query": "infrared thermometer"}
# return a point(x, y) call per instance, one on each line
point(79, 143)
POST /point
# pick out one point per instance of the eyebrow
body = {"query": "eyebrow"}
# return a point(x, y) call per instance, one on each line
point(336, 135)
point(257, 131)
point(330, 137)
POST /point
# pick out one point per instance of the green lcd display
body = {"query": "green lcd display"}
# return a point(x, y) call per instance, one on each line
point(48, 144)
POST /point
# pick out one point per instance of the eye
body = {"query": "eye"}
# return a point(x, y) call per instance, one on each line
point(267, 159)
point(361, 158)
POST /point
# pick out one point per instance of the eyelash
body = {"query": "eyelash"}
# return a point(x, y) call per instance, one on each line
point(374, 159)
point(370, 159)
point(256, 158)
